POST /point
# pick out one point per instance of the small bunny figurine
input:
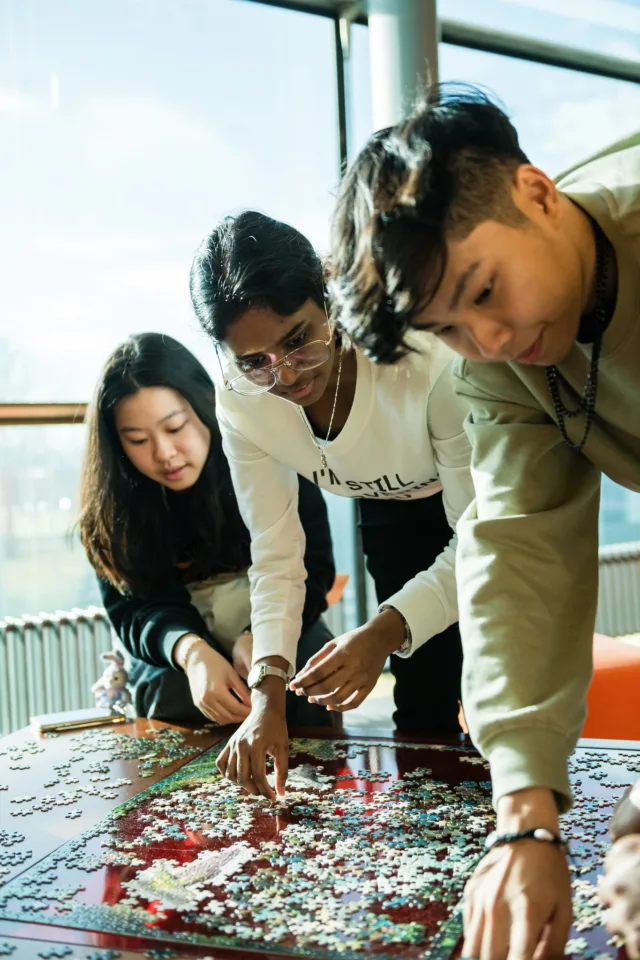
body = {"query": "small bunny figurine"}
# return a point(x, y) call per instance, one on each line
point(111, 688)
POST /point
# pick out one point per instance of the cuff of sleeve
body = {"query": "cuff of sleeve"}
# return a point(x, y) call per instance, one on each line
point(533, 757)
point(169, 641)
point(272, 638)
point(425, 619)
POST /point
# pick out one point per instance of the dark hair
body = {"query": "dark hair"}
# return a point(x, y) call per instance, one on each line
point(433, 177)
point(134, 530)
point(252, 260)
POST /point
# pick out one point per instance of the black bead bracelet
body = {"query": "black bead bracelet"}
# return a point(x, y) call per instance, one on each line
point(541, 834)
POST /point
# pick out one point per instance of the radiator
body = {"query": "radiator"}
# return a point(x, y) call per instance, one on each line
point(619, 590)
point(48, 663)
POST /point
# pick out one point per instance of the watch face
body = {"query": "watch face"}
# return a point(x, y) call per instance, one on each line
point(256, 675)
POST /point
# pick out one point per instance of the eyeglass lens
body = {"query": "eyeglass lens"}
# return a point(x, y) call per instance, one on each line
point(304, 358)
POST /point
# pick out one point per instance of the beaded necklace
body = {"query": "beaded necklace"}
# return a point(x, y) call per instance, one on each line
point(587, 402)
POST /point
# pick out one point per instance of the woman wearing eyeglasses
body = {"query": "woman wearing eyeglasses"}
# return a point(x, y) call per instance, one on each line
point(294, 397)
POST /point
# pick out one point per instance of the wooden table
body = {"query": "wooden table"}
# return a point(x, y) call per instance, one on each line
point(27, 765)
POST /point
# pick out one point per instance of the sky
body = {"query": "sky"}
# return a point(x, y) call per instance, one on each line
point(130, 128)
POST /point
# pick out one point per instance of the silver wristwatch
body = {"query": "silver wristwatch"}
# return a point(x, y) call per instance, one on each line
point(261, 670)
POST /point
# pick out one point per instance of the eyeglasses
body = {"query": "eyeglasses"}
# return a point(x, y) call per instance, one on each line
point(259, 380)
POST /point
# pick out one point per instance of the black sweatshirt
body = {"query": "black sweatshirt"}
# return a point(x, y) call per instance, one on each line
point(150, 628)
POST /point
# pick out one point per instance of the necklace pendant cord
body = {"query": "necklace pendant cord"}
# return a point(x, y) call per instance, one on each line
point(587, 402)
point(323, 456)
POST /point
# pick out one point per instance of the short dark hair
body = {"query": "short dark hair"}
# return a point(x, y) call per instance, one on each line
point(135, 531)
point(252, 260)
point(433, 177)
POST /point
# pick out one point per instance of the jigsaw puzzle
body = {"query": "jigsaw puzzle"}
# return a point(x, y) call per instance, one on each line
point(368, 854)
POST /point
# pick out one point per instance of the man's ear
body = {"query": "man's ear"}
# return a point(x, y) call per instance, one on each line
point(534, 193)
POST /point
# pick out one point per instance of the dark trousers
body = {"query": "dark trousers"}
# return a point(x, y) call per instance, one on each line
point(163, 693)
point(399, 539)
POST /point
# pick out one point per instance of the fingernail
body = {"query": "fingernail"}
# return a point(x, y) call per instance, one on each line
point(312, 700)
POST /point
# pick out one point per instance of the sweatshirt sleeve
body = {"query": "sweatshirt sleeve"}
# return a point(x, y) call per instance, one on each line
point(267, 493)
point(318, 555)
point(429, 601)
point(150, 629)
point(527, 570)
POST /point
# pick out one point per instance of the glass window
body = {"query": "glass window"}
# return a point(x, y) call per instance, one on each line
point(561, 115)
point(360, 107)
point(602, 26)
point(42, 564)
point(129, 130)
point(123, 153)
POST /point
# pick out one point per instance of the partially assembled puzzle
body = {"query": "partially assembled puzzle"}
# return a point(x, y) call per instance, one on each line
point(368, 854)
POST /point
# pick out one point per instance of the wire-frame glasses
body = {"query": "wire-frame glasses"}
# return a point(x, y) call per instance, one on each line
point(257, 380)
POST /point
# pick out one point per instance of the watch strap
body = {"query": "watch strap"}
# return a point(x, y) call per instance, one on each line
point(261, 670)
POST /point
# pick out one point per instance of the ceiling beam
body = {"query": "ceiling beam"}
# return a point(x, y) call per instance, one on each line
point(461, 34)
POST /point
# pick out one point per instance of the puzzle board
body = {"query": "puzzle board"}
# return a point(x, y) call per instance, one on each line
point(368, 856)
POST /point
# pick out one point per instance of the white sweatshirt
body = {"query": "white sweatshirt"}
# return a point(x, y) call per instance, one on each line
point(403, 439)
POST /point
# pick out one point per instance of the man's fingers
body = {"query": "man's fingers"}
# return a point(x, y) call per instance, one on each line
point(550, 941)
point(321, 671)
point(337, 697)
point(354, 701)
point(244, 773)
point(259, 773)
point(473, 936)
point(327, 686)
point(223, 761)
point(317, 658)
point(281, 759)
point(557, 931)
point(232, 768)
point(524, 937)
point(495, 934)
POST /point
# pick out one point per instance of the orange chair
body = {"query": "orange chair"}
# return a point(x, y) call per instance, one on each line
point(613, 703)
point(335, 594)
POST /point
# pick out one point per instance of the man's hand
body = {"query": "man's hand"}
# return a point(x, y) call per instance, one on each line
point(216, 688)
point(263, 734)
point(620, 891)
point(346, 669)
point(242, 654)
point(518, 901)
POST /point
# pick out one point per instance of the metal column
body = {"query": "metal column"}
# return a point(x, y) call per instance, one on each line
point(403, 41)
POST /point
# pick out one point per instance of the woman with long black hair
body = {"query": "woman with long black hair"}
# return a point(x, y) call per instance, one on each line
point(161, 527)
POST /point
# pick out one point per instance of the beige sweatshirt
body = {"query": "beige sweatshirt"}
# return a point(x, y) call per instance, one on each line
point(527, 562)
